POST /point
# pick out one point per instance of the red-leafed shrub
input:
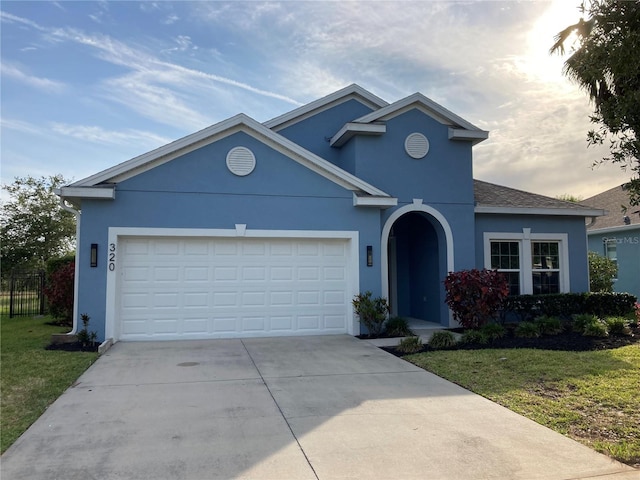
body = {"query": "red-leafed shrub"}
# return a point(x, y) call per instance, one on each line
point(475, 296)
point(59, 292)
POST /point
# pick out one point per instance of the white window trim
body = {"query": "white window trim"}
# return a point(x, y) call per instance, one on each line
point(526, 271)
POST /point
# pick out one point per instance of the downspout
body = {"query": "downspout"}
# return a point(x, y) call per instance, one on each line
point(76, 277)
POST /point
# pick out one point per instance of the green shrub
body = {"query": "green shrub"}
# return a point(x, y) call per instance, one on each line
point(372, 312)
point(564, 305)
point(548, 325)
point(410, 345)
point(59, 292)
point(596, 329)
point(441, 340)
point(617, 325)
point(397, 327)
point(493, 331)
point(602, 271)
point(527, 330)
point(581, 321)
point(635, 315)
point(474, 337)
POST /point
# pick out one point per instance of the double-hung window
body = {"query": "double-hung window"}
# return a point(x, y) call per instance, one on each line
point(533, 263)
point(505, 257)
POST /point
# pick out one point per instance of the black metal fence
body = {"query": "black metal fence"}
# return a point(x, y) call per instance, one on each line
point(25, 294)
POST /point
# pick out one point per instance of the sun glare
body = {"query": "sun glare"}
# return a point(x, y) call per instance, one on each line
point(558, 15)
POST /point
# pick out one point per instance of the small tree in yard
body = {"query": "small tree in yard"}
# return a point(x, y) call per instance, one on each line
point(59, 292)
point(371, 311)
point(475, 296)
point(602, 271)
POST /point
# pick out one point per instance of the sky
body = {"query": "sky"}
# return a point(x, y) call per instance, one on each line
point(88, 85)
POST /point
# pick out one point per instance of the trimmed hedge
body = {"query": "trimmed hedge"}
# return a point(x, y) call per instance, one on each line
point(602, 304)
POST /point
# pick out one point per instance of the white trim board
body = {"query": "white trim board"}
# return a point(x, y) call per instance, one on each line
point(239, 123)
point(352, 91)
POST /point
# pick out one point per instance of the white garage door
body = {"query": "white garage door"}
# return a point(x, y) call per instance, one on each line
point(181, 288)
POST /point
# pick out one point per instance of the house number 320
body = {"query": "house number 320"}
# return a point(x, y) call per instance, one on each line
point(112, 257)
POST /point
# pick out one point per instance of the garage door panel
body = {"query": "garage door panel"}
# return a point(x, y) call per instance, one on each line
point(229, 287)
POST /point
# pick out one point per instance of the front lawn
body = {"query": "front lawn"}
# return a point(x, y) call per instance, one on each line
point(32, 377)
point(592, 397)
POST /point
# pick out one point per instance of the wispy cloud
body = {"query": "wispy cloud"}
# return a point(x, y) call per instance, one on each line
point(171, 19)
point(14, 72)
point(97, 134)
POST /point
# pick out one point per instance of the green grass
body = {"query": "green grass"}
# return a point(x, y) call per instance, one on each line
point(592, 397)
point(32, 377)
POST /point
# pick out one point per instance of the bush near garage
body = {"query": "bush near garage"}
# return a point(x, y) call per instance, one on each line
point(59, 288)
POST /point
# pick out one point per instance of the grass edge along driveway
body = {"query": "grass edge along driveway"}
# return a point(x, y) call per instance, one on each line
point(32, 378)
point(592, 397)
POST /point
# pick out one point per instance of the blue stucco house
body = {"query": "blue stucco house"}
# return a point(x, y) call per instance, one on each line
point(616, 235)
point(264, 229)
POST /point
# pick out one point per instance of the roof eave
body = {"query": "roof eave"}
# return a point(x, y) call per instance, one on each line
point(240, 122)
point(539, 211)
point(95, 193)
point(437, 111)
point(474, 136)
point(351, 91)
point(619, 228)
point(374, 201)
point(350, 130)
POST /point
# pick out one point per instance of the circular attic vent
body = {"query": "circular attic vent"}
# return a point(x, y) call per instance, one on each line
point(416, 145)
point(241, 161)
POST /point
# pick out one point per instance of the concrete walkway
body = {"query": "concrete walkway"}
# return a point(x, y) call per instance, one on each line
point(284, 408)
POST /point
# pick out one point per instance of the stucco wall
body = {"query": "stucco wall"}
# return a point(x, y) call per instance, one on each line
point(198, 191)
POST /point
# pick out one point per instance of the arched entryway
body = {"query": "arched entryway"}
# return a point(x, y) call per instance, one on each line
point(417, 250)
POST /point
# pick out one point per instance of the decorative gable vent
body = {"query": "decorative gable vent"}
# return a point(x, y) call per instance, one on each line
point(241, 161)
point(416, 145)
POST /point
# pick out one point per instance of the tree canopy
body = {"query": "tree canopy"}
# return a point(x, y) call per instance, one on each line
point(606, 64)
point(34, 226)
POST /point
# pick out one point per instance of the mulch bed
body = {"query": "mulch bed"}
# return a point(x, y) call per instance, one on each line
point(566, 341)
point(73, 347)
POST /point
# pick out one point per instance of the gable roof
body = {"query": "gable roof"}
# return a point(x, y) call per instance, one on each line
point(459, 128)
point(98, 185)
point(352, 91)
point(613, 201)
point(492, 198)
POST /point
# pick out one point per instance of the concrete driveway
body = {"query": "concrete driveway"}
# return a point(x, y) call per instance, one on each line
point(284, 408)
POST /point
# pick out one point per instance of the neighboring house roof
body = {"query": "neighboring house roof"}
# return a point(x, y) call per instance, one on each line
point(100, 185)
point(491, 198)
point(459, 128)
point(353, 91)
point(614, 201)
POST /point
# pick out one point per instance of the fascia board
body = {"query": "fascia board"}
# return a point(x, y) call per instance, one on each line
point(108, 193)
point(431, 108)
point(324, 103)
point(475, 136)
point(314, 162)
point(168, 150)
point(540, 211)
point(235, 124)
point(621, 228)
point(374, 201)
point(349, 130)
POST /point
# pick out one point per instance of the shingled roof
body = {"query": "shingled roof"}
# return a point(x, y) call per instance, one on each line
point(492, 198)
point(613, 201)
